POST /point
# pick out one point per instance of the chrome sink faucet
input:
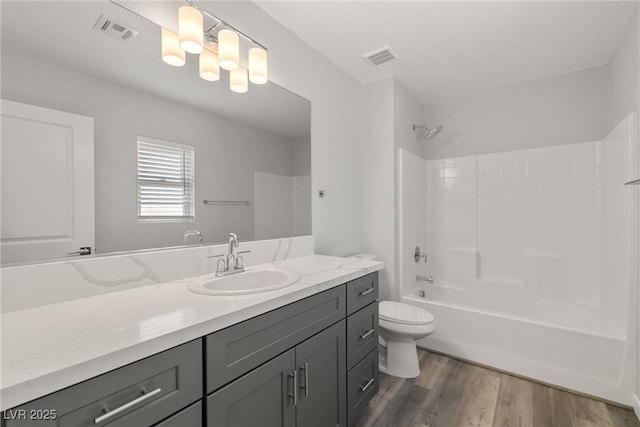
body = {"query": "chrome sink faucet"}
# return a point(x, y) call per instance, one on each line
point(233, 263)
point(185, 236)
point(233, 243)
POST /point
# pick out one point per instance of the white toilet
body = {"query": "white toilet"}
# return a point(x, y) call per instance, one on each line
point(400, 326)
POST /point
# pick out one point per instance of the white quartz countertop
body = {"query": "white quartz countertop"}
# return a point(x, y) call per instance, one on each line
point(47, 348)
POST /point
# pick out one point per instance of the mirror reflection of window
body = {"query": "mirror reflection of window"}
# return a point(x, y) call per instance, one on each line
point(165, 175)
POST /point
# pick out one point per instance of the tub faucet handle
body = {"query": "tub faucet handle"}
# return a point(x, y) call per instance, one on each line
point(419, 254)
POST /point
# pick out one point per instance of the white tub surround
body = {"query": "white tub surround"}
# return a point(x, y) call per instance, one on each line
point(532, 258)
point(53, 346)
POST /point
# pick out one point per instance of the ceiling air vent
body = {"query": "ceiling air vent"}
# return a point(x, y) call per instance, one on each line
point(117, 30)
point(380, 56)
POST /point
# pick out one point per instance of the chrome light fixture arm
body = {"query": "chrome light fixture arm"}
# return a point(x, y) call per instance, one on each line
point(223, 23)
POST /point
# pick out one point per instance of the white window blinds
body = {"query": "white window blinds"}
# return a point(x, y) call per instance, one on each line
point(165, 180)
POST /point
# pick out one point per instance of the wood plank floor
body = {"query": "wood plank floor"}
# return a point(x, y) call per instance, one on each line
point(452, 393)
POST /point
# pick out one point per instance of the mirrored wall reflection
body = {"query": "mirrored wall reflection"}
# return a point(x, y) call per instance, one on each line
point(252, 147)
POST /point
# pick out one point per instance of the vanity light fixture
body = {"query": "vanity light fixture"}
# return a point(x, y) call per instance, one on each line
point(238, 80)
point(172, 53)
point(258, 65)
point(218, 47)
point(229, 49)
point(209, 67)
point(190, 29)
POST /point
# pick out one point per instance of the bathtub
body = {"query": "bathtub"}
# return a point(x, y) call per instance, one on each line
point(592, 358)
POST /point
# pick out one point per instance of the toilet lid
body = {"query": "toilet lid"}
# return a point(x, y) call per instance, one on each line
point(406, 314)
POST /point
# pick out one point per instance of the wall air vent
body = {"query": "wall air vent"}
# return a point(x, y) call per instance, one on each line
point(117, 30)
point(380, 56)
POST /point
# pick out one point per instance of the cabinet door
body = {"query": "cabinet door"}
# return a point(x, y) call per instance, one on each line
point(321, 366)
point(263, 397)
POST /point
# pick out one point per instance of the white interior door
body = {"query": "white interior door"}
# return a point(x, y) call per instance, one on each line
point(47, 196)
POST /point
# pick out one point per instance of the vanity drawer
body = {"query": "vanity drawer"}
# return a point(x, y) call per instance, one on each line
point(189, 417)
point(362, 385)
point(361, 292)
point(362, 333)
point(237, 349)
point(138, 394)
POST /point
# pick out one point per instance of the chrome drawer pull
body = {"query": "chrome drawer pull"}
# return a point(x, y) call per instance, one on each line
point(365, 292)
point(126, 406)
point(305, 387)
point(294, 375)
point(367, 385)
point(366, 334)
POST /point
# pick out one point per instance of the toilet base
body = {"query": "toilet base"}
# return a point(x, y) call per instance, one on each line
point(399, 359)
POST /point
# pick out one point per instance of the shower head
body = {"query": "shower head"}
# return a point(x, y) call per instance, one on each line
point(430, 133)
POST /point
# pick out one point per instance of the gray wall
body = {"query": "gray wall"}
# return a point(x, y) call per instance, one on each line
point(301, 156)
point(624, 85)
point(337, 132)
point(378, 176)
point(558, 110)
point(407, 111)
point(391, 112)
point(226, 153)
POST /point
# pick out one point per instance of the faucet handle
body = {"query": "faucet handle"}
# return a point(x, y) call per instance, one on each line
point(240, 260)
point(220, 268)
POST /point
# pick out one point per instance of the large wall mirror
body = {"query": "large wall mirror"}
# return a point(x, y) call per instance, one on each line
point(62, 80)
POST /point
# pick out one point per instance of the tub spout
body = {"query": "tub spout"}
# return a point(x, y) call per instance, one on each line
point(420, 277)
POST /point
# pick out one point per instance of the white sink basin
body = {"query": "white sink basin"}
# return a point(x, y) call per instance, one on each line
point(249, 282)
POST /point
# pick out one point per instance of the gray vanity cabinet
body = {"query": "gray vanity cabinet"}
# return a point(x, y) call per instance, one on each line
point(362, 344)
point(302, 387)
point(321, 369)
point(259, 398)
point(139, 394)
point(189, 417)
point(312, 362)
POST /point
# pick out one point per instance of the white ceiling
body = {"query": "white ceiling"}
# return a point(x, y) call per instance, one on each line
point(452, 49)
point(60, 32)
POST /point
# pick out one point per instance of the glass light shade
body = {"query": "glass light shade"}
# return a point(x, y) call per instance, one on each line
point(190, 28)
point(258, 65)
point(209, 68)
point(172, 53)
point(228, 50)
point(238, 81)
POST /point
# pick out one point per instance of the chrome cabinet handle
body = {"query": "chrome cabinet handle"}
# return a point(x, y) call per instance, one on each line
point(126, 406)
point(294, 375)
point(366, 292)
point(306, 379)
point(366, 334)
point(367, 385)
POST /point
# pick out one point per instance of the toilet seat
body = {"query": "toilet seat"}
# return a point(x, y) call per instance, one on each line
point(404, 314)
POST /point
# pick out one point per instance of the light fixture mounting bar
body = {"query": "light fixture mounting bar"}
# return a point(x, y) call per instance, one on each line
point(224, 23)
